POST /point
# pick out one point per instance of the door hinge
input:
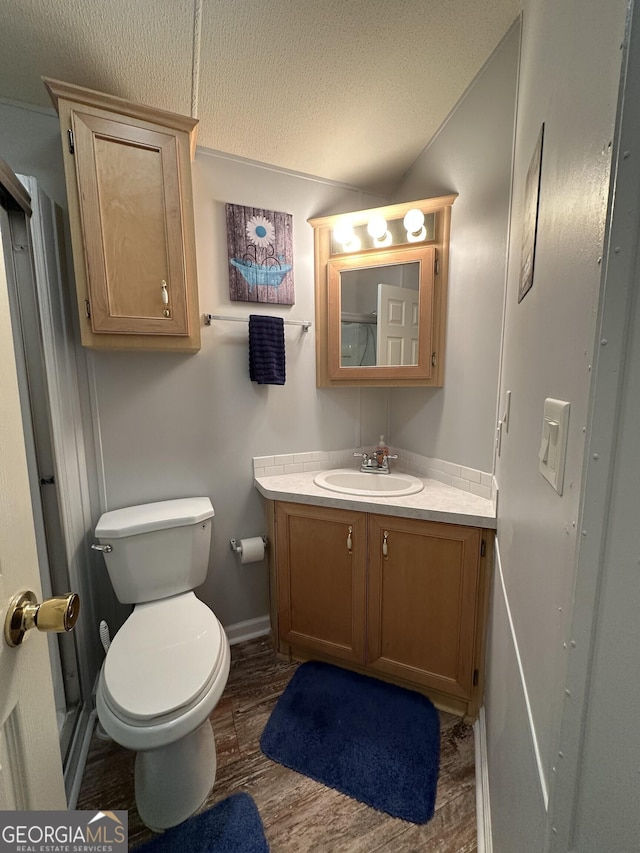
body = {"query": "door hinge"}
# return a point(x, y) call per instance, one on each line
point(483, 548)
point(87, 309)
point(48, 481)
point(437, 266)
point(476, 677)
point(433, 359)
point(72, 144)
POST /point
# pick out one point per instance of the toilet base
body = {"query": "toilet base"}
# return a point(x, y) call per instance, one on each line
point(172, 782)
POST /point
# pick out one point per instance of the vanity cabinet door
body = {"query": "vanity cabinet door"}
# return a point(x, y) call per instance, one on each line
point(422, 597)
point(321, 555)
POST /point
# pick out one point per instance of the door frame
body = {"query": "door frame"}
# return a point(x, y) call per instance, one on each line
point(63, 374)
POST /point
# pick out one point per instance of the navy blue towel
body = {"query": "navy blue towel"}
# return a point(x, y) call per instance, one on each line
point(266, 350)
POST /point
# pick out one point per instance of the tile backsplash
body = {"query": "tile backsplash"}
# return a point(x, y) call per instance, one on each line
point(459, 476)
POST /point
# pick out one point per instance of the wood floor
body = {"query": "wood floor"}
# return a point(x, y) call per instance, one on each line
point(299, 815)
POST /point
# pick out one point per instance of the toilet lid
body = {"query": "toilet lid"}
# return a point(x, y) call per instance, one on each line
point(163, 657)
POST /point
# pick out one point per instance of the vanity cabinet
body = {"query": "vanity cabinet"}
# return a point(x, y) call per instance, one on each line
point(399, 598)
point(128, 177)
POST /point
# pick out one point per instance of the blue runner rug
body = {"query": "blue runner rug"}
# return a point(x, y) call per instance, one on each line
point(371, 740)
point(231, 826)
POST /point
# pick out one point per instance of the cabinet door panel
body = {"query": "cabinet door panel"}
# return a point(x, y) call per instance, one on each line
point(422, 602)
point(132, 228)
point(321, 599)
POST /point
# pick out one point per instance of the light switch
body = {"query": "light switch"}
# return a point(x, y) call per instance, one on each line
point(553, 445)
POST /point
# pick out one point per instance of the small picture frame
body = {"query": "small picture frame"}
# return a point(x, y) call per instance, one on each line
point(530, 220)
point(260, 250)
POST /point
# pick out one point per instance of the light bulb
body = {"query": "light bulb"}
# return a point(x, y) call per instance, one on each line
point(343, 232)
point(414, 223)
point(377, 226)
point(413, 220)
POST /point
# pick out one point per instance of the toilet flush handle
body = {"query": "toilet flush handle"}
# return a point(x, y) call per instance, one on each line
point(106, 549)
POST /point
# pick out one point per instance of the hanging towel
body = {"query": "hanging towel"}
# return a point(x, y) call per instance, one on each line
point(266, 350)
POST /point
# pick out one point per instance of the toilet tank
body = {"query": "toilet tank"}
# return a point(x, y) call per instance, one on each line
point(157, 549)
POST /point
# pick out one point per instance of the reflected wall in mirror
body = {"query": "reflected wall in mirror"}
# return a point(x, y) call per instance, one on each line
point(381, 281)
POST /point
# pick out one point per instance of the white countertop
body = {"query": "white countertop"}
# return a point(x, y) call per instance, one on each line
point(436, 502)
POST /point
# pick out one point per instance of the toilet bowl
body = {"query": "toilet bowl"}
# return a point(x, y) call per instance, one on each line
point(167, 666)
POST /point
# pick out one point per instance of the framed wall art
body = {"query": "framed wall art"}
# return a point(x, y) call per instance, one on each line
point(530, 220)
point(260, 249)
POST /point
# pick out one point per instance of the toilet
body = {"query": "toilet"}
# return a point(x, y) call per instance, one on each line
point(167, 666)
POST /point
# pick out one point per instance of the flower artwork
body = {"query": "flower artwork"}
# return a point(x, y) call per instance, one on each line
point(260, 248)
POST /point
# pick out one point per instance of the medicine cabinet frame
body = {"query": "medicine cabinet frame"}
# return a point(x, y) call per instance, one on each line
point(431, 253)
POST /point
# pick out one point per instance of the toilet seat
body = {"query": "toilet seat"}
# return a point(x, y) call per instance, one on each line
point(178, 635)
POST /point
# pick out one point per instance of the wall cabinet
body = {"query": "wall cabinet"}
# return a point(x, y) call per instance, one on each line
point(128, 176)
point(399, 598)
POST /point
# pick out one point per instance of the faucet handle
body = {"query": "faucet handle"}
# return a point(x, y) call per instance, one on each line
point(392, 456)
point(363, 456)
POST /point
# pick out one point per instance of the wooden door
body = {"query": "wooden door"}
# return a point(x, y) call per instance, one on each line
point(422, 602)
point(321, 554)
point(130, 204)
point(30, 764)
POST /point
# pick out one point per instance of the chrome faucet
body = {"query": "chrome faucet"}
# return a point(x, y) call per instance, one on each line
point(375, 463)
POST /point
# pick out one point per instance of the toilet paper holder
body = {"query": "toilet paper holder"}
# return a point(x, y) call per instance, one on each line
point(236, 545)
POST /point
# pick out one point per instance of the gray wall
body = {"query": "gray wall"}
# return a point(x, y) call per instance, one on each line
point(570, 66)
point(30, 144)
point(471, 155)
point(177, 425)
point(169, 425)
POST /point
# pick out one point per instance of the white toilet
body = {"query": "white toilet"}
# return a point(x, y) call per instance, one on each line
point(168, 665)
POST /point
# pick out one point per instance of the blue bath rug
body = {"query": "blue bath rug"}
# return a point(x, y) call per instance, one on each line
point(231, 826)
point(368, 739)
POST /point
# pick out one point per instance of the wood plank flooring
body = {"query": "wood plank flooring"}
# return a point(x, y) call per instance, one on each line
point(299, 815)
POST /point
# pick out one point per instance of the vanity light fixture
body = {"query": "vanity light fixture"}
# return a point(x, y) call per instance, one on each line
point(377, 229)
point(414, 224)
point(345, 235)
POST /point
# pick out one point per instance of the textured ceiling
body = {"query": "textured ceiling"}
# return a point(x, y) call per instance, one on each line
point(350, 90)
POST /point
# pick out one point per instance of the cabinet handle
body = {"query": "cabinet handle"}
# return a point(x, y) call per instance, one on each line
point(349, 540)
point(165, 293)
point(385, 546)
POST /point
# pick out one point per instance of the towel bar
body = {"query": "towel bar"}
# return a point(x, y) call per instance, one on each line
point(306, 324)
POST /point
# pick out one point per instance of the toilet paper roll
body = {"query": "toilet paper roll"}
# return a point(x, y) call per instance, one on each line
point(251, 550)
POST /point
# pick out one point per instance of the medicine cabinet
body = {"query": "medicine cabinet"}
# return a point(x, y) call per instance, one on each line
point(381, 294)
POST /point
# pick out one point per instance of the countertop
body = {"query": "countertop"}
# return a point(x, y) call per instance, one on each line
point(436, 502)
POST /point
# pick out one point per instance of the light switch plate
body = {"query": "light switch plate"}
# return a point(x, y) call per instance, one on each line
point(553, 445)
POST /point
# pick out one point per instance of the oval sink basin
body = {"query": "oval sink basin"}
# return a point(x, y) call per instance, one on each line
point(351, 482)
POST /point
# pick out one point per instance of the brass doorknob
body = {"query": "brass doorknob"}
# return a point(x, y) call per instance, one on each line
point(54, 614)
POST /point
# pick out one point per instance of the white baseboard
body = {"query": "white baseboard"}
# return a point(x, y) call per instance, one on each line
point(483, 804)
point(249, 630)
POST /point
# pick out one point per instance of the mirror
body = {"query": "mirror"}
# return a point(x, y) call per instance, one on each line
point(379, 313)
point(381, 296)
point(379, 308)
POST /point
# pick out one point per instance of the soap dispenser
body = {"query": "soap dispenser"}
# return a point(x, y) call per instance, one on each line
point(381, 451)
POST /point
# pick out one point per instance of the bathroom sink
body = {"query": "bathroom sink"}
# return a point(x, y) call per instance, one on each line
point(351, 482)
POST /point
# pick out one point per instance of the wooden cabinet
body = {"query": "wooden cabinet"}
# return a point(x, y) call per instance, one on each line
point(128, 175)
point(321, 579)
point(399, 598)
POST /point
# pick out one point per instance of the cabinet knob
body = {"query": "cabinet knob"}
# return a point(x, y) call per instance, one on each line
point(165, 293)
point(349, 540)
point(385, 546)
